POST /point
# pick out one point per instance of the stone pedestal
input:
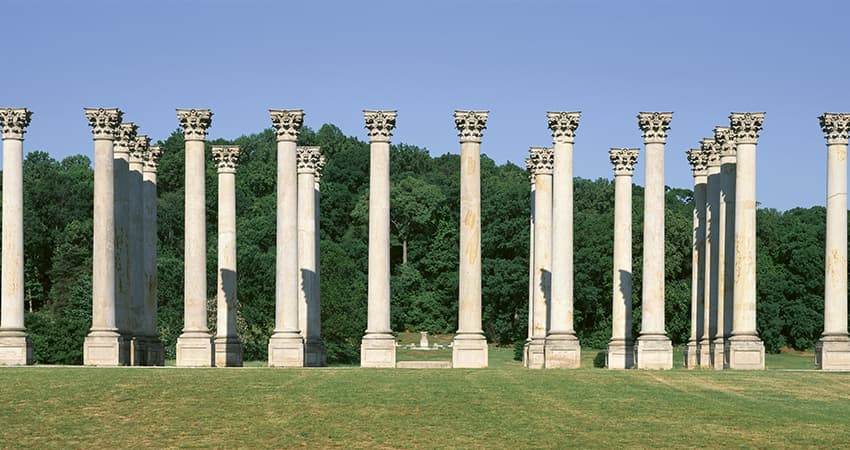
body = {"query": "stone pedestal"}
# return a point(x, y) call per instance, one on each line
point(698, 159)
point(155, 353)
point(377, 350)
point(833, 353)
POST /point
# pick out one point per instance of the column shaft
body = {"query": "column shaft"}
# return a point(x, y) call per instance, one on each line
point(725, 261)
point(692, 349)
point(228, 349)
point(620, 353)
point(542, 266)
point(562, 241)
point(155, 355)
point(135, 261)
point(12, 315)
point(103, 253)
point(712, 274)
point(314, 350)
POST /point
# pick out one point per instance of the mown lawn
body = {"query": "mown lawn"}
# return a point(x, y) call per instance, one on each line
point(500, 407)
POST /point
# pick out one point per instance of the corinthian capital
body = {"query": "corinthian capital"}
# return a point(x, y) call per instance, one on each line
point(470, 125)
point(654, 126)
point(226, 157)
point(698, 160)
point(563, 125)
point(126, 137)
point(194, 123)
point(138, 148)
point(320, 167)
point(529, 168)
point(541, 160)
point(287, 123)
point(14, 122)
point(152, 158)
point(308, 159)
point(835, 125)
point(724, 142)
point(624, 160)
point(712, 151)
point(746, 126)
point(104, 121)
point(380, 124)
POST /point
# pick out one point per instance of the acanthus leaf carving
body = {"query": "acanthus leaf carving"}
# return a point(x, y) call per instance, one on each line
point(138, 148)
point(194, 123)
point(471, 125)
point(541, 159)
point(698, 159)
point(287, 123)
point(380, 124)
point(308, 158)
point(563, 125)
point(623, 160)
point(712, 151)
point(104, 122)
point(724, 141)
point(126, 137)
point(14, 122)
point(226, 157)
point(151, 158)
point(836, 126)
point(654, 126)
point(746, 126)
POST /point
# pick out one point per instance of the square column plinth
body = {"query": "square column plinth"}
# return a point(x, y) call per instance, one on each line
point(719, 360)
point(195, 350)
point(15, 348)
point(469, 351)
point(228, 352)
point(377, 351)
point(562, 352)
point(154, 352)
point(654, 352)
point(314, 354)
point(620, 355)
point(745, 353)
point(286, 350)
point(833, 353)
point(536, 354)
point(691, 355)
point(105, 349)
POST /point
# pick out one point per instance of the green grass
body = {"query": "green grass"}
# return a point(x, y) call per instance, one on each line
point(500, 407)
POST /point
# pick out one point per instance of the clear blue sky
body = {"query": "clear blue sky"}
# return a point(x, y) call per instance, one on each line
point(426, 58)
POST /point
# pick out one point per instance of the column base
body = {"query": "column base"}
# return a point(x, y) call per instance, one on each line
point(314, 353)
point(691, 355)
point(15, 348)
point(286, 349)
point(745, 353)
point(469, 351)
point(719, 360)
point(620, 354)
point(104, 348)
point(654, 351)
point(833, 353)
point(525, 353)
point(154, 351)
point(228, 351)
point(562, 351)
point(377, 350)
point(195, 349)
point(704, 353)
point(536, 353)
point(138, 351)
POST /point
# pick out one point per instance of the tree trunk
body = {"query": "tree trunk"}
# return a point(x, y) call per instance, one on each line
point(404, 251)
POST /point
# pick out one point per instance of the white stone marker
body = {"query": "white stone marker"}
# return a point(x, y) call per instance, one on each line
point(832, 351)
point(155, 353)
point(124, 140)
point(310, 320)
point(745, 350)
point(15, 345)
point(724, 143)
point(102, 346)
point(542, 164)
point(712, 226)
point(377, 349)
point(699, 165)
point(469, 348)
point(194, 346)
point(531, 178)
point(620, 353)
point(562, 348)
point(136, 251)
point(286, 346)
point(228, 349)
point(653, 348)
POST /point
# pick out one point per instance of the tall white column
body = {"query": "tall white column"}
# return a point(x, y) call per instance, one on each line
point(725, 250)
point(529, 166)
point(194, 346)
point(309, 314)
point(620, 353)
point(562, 348)
point(832, 351)
point(102, 346)
point(377, 349)
point(155, 353)
point(228, 349)
point(15, 345)
point(314, 319)
point(745, 350)
point(542, 162)
point(124, 140)
point(286, 346)
point(135, 247)
point(699, 165)
point(653, 348)
point(712, 227)
point(469, 348)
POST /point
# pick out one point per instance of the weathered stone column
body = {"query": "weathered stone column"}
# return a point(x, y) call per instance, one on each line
point(135, 247)
point(542, 163)
point(377, 349)
point(529, 166)
point(286, 346)
point(562, 348)
point(124, 140)
point(699, 165)
point(712, 231)
point(15, 345)
point(314, 318)
point(228, 349)
point(194, 346)
point(155, 353)
point(469, 348)
point(309, 314)
point(653, 348)
point(832, 351)
point(725, 249)
point(620, 353)
point(745, 350)
point(102, 346)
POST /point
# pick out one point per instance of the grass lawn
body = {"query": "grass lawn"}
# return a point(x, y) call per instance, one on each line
point(503, 406)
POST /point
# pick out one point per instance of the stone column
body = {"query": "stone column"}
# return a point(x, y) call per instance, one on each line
point(228, 349)
point(194, 346)
point(124, 140)
point(15, 345)
point(699, 165)
point(542, 163)
point(712, 226)
point(529, 166)
point(725, 249)
point(155, 353)
point(309, 314)
point(745, 350)
point(620, 353)
point(102, 346)
point(832, 351)
point(135, 247)
point(377, 349)
point(314, 319)
point(286, 346)
point(469, 348)
point(562, 346)
point(653, 348)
